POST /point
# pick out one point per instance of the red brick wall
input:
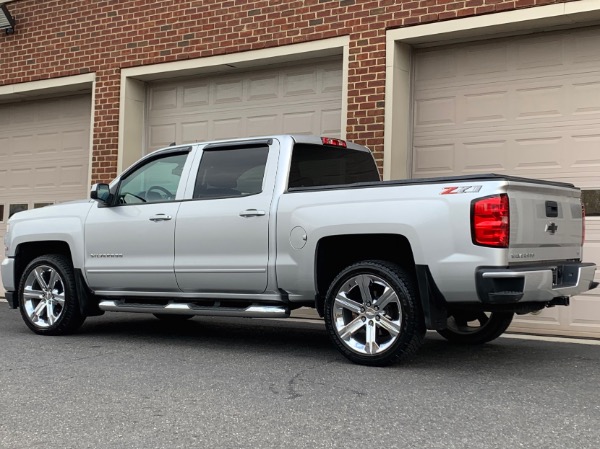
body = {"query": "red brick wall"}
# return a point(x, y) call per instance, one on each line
point(57, 38)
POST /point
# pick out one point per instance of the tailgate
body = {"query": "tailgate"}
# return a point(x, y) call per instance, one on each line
point(545, 222)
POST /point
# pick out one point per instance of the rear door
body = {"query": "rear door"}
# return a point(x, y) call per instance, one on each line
point(222, 235)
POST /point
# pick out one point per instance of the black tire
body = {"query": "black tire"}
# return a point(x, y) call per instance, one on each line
point(170, 318)
point(490, 326)
point(60, 297)
point(401, 312)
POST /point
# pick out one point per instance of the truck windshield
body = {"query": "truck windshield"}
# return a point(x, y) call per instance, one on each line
point(317, 165)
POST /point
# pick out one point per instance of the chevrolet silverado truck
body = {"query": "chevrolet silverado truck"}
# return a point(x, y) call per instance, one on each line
point(259, 227)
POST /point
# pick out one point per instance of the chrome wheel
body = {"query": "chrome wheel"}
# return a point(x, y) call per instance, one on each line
point(44, 296)
point(367, 314)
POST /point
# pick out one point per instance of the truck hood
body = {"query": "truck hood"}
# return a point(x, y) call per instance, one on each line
point(78, 208)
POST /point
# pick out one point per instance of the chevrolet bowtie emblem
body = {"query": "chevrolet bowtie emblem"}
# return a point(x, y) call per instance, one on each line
point(552, 228)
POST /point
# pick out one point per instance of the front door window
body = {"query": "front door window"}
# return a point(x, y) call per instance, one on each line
point(156, 181)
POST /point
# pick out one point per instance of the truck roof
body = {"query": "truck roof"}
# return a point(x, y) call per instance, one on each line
point(298, 138)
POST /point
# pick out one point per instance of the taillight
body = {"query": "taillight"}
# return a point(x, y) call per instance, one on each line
point(490, 221)
point(333, 142)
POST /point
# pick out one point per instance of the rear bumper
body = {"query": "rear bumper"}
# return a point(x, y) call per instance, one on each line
point(534, 284)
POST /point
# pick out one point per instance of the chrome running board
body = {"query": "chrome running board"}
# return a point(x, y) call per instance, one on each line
point(252, 311)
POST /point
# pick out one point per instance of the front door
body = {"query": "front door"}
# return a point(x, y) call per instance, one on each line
point(129, 246)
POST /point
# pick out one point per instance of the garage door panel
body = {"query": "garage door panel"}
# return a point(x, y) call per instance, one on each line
point(162, 135)
point(486, 156)
point(261, 125)
point(435, 112)
point(72, 177)
point(195, 95)
point(433, 159)
point(486, 107)
point(193, 132)
point(331, 81)
point(263, 87)
point(228, 91)
point(227, 128)
point(330, 121)
point(585, 95)
point(302, 98)
point(526, 106)
point(585, 48)
point(539, 102)
point(163, 98)
point(538, 52)
point(484, 59)
point(300, 82)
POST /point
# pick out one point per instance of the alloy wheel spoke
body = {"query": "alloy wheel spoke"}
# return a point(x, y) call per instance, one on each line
point(388, 296)
point(38, 272)
point(350, 329)
point(343, 301)
point(364, 283)
point(371, 346)
point(33, 294)
point(38, 310)
point(50, 312)
point(390, 326)
point(59, 299)
point(53, 278)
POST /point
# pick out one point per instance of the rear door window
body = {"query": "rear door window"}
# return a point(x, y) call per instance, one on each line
point(231, 172)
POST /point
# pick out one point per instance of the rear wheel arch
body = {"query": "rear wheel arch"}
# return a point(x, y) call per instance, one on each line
point(334, 253)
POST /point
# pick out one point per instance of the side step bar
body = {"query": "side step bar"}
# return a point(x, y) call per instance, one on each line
point(253, 311)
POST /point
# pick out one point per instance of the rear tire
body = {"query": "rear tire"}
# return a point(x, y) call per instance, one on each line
point(476, 328)
point(48, 296)
point(373, 315)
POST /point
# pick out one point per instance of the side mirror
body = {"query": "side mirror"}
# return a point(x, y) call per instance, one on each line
point(100, 193)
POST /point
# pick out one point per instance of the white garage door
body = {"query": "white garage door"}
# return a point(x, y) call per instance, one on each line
point(526, 106)
point(44, 154)
point(301, 99)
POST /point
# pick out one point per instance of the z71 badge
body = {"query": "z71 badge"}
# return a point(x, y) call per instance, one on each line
point(463, 189)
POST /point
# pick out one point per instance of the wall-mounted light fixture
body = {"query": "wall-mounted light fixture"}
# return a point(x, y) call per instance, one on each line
point(7, 22)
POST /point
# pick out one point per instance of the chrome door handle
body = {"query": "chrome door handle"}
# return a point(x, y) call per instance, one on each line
point(160, 217)
point(252, 213)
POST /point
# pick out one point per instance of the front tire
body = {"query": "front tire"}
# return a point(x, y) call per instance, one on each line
point(48, 296)
point(475, 328)
point(373, 315)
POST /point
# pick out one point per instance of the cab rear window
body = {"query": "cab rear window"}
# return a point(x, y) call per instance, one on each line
point(318, 166)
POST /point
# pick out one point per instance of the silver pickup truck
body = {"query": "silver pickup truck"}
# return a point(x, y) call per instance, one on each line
point(259, 227)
